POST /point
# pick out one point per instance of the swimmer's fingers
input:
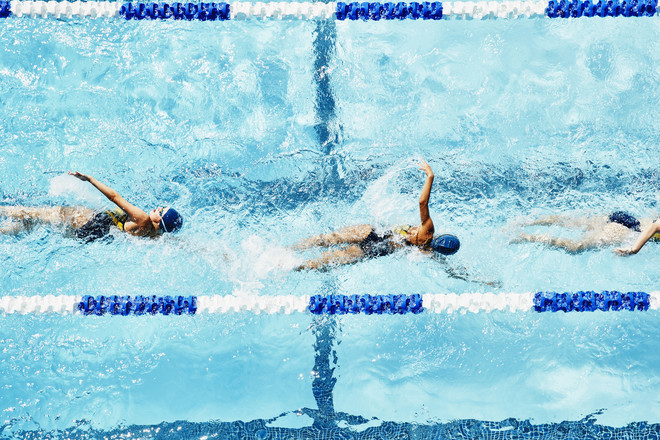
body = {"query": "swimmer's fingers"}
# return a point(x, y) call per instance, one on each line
point(79, 175)
point(425, 167)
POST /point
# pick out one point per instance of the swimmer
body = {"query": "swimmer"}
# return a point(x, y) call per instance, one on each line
point(361, 241)
point(601, 231)
point(89, 225)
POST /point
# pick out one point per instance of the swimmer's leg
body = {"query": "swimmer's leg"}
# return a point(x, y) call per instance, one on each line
point(560, 220)
point(347, 235)
point(328, 259)
point(55, 215)
point(15, 227)
point(570, 246)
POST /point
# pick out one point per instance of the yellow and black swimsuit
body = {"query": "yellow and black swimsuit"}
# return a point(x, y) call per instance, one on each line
point(99, 226)
point(655, 237)
point(375, 245)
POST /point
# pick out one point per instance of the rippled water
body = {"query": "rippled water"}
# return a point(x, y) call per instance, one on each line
point(262, 133)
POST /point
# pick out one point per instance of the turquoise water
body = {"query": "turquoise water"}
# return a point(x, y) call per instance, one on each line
point(228, 122)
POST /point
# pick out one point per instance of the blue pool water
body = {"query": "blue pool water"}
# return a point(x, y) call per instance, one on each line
point(262, 133)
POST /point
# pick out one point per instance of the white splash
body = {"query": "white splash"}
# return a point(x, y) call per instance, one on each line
point(75, 191)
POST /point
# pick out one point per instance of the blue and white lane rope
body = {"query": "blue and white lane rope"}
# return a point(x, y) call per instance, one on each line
point(332, 304)
point(372, 11)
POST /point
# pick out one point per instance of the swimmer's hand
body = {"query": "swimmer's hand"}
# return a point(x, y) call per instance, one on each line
point(624, 252)
point(81, 176)
point(426, 168)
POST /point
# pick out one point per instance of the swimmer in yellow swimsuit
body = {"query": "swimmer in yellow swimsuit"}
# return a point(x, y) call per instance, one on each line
point(361, 241)
point(89, 225)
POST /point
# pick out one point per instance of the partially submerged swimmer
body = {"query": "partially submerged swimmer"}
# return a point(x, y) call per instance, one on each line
point(362, 241)
point(601, 231)
point(89, 225)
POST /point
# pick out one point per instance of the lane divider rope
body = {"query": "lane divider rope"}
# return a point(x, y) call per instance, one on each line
point(366, 11)
point(122, 305)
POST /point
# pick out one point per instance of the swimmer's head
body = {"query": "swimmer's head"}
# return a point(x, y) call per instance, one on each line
point(446, 244)
point(170, 220)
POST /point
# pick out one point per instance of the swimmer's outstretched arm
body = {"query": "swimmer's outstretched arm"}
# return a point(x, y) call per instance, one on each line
point(427, 224)
point(142, 221)
point(643, 238)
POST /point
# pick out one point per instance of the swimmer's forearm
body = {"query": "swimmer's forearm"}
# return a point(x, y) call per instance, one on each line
point(110, 193)
point(426, 190)
point(644, 237)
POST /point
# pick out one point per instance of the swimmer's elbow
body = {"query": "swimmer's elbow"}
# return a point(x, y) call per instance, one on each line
point(114, 197)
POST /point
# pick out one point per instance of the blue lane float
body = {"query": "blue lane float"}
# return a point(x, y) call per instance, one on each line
point(366, 304)
point(175, 11)
point(389, 11)
point(5, 9)
point(610, 8)
point(138, 305)
point(590, 301)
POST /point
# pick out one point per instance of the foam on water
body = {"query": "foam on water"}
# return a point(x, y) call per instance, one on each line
point(68, 189)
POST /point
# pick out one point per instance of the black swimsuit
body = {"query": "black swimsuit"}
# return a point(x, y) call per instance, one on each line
point(99, 226)
point(375, 245)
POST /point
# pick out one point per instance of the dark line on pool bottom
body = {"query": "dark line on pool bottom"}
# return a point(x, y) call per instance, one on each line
point(325, 36)
point(326, 125)
point(323, 383)
point(510, 429)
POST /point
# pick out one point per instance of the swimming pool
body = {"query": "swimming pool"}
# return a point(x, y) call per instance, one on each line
point(235, 126)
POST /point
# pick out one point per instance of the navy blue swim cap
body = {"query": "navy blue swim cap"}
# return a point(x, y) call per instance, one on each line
point(171, 221)
point(625, 219)
point(446, 244)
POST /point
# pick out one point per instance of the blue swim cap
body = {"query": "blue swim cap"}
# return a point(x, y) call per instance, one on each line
point(446, 244)
point(171, 221)
point(625, 219)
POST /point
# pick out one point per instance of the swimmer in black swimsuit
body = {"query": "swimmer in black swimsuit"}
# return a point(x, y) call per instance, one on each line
point(362, 241)
point(89, 225)
point(607, 230)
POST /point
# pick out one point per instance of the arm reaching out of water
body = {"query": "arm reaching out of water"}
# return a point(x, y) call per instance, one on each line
point(644, 237)
point(426, 229)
